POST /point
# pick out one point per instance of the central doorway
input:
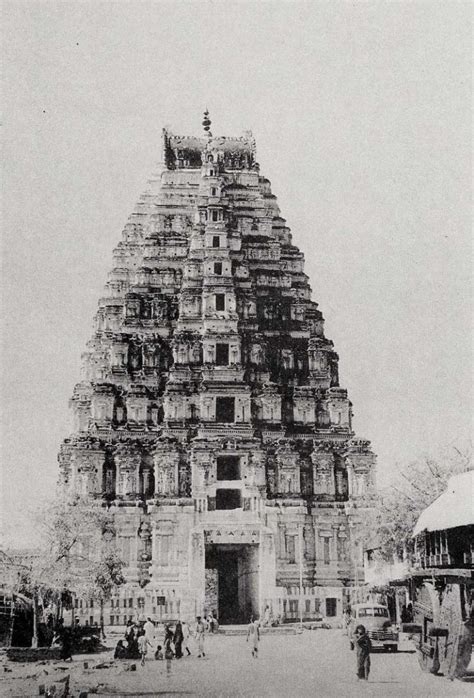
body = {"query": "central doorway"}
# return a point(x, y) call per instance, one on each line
point(232, 582)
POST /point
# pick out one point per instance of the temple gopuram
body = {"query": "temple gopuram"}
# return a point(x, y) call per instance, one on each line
point(209, 417)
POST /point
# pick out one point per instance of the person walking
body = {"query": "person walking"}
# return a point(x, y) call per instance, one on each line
point(347, 618)
point(253, 632)
point(168, 647)
point(211, 622)
point(120, 650)
point(130, 631)
point(200, 631)
point(178, 640)
point(186, 635)
point(143, 644)
point(405, 616)
point(66, 643)
point(149, 629)
point(363, 650)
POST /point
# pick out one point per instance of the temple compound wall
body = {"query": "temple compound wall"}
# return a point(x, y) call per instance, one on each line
point(209, 417)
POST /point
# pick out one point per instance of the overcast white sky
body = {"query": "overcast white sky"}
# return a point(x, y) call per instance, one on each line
point(361, 113)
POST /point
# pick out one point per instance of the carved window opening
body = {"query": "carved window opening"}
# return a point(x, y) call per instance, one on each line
point(341, 549)
point(225, 409)
point(228, 468)
point(228, 499)
point(287, 411)
point(109, 480)
point(290, 542)
point(306, 477)
point(147, 482)
point(120, 414)
point(326, 551)
point(215, 216)
point(216, 241)
point(220, 301)
point(218, 268)
point(213, 191)
point(342, 483)
point(222, 354)
point(154, 414)
point(331, 607)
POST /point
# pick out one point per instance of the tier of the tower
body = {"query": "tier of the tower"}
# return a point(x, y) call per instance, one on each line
point(207, 325)
point(219, 287)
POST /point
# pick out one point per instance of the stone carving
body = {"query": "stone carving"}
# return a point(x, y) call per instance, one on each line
point(128, 455)
point(184, 481)
point(166, 461)
point(207, 345)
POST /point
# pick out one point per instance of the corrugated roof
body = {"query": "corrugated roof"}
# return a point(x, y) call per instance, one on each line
point(453, 508)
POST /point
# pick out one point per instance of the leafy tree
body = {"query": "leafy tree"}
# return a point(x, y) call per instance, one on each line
point(78, 557)
point(108, 577)
point(389, 526)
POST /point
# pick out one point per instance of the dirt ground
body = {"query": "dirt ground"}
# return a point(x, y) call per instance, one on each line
point(315, 662)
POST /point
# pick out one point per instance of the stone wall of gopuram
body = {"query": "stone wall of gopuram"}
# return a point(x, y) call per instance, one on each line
point(209, 409)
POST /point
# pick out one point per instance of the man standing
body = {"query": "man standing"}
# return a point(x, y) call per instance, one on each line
point(363, 648)
point(178, 640)
point(200, 630)
point(149, 629)
point(142, 646)
point(66, 641)
point(253, 632)
point(130, 632)
point(186, 634)
point(210, 622)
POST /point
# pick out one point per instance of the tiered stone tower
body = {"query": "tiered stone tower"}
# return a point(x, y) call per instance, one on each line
point(210, 416)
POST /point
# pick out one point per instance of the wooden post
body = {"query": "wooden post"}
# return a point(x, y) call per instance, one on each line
point(12, 620)
point(300, 541)
point(101, 622)
point(34, 639)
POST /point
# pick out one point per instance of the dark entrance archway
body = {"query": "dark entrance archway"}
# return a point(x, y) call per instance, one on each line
point(232, 582)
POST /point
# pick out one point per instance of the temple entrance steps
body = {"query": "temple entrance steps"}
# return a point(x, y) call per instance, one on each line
point(242, 630)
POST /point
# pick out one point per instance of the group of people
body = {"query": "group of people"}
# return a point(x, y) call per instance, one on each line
point(406, 615)
point(140, 640)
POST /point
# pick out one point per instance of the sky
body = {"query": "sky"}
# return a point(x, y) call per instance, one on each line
point(361, 112)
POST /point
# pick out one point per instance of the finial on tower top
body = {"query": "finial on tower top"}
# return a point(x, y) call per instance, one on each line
point(206, 122)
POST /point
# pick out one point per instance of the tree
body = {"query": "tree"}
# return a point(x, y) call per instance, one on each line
point(415, 486)
point(78, 557)
point(108, 576)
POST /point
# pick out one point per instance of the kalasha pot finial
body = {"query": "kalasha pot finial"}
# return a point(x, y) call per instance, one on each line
point(206, 122)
